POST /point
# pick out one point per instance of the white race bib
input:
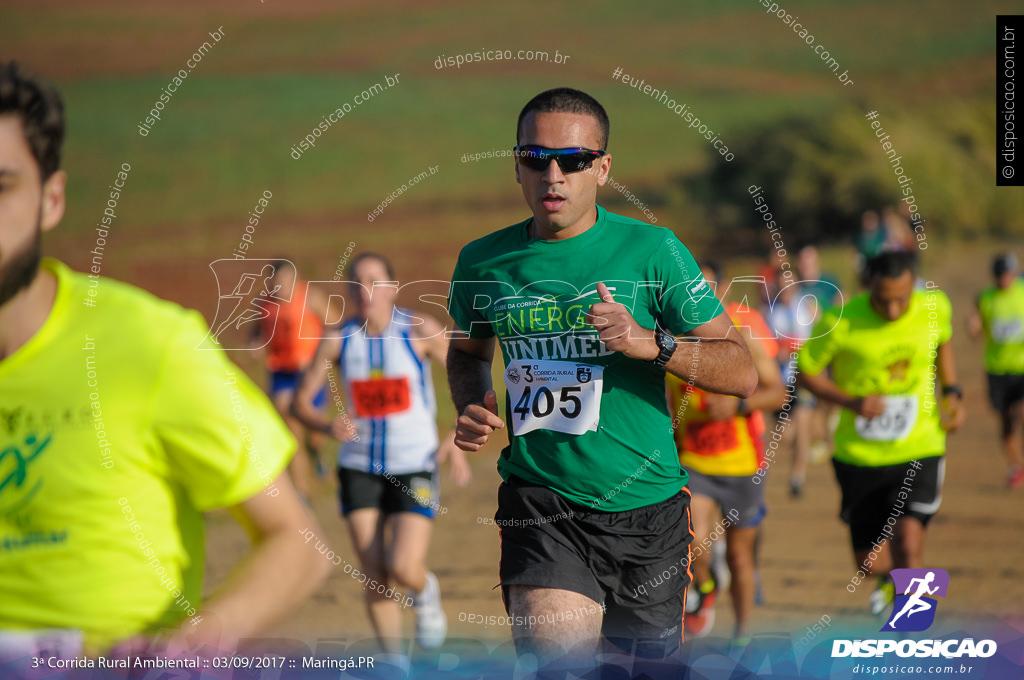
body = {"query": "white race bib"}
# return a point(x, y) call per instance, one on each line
point(894, 424)
point(1005, 331)
point(562, 396)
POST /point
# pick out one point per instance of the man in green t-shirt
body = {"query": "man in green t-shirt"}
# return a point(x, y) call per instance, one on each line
point(118, 431)
point(885, 348)
point(585, 306)
point(999, 315)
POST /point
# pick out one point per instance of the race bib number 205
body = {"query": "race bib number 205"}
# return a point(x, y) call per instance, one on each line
point(561, 396)
point(894, 424)
point(1007, 331)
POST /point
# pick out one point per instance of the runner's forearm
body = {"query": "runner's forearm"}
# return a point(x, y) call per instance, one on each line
point(469, 378)
point(309, 416)
point(720, 366)
point(767, 399)
point(823, 388)
point(279, 571)
point(946, 365)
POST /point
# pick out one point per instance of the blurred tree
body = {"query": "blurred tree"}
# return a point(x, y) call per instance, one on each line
point(819, 174)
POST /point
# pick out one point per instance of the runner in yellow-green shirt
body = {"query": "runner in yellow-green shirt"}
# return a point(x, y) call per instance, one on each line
point(116, 432)
point(999, 315)
point(887, 348)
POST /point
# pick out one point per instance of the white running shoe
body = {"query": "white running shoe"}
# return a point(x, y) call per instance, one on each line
point(883, 596)
point(431, 622)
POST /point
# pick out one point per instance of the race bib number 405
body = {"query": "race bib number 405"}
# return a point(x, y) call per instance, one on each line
point(894, 424)
point(561, 396)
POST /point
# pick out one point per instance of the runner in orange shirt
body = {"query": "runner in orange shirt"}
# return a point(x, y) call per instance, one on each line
point(721, 444)
point(291, 338)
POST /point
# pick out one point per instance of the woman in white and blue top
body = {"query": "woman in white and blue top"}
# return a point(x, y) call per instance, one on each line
point(387, 462)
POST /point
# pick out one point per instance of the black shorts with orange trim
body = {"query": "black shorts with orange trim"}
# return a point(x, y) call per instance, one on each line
point(635, 562)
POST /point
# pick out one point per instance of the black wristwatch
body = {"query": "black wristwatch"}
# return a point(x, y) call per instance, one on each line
point(953, 389)
point(667, 345)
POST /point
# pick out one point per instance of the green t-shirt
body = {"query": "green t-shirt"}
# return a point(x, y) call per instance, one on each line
point(1002, 317)
point(116, 433)
point(617, 454)
point(870, 355)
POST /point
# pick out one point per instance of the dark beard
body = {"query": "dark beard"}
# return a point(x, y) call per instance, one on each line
point(21, 271)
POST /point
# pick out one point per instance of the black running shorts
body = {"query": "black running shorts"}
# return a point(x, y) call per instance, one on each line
point(871, 496)
point(1004, 390)
point(414, 492)
point(635, 562)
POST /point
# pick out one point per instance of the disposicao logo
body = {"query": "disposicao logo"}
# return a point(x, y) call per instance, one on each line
point(913, 610)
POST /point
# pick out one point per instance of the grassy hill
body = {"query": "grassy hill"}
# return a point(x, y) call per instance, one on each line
point(225, 136)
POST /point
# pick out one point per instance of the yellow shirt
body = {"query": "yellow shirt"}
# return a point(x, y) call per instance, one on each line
point(116, 432)
point(870, 355)
point(1002, 315)
point(730, 448)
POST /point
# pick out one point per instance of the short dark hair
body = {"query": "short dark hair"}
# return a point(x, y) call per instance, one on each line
point(41, 111)
point(566, 100)
point(1003, 263)
point(370, 256)
point(279, 263)
point(890, 265)
point(714, 265)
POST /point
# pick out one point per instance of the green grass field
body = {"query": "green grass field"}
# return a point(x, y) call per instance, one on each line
point(225, 136)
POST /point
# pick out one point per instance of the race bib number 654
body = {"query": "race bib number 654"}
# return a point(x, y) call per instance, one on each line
point(561, 396)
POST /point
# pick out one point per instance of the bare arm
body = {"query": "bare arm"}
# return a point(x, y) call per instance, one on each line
point(822, 387)
point(277, 574)
point(770, 394)
point(724, 365)
point(313, 379)
point(974, 325)
point(469, 370)
point(954, 414)
point(723, 362)
point(469, 378)
point(431, 338)
point(946, 364)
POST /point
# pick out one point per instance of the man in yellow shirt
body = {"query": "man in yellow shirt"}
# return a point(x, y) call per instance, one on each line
point(118, 430)
point(886, 347)
point(1000, 317)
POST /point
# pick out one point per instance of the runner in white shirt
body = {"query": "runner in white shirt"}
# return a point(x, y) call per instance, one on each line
point(387, 464)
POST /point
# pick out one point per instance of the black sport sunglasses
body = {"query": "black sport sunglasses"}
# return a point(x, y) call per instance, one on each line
point(569, 160)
